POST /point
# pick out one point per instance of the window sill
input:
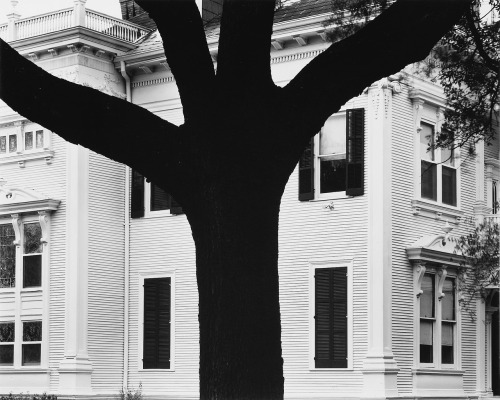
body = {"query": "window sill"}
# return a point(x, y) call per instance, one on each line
point(8, 290)
point(436, 211)
point(22, 370)
point(437, 371)
point(31, 290)
point(155, 371)
point(349, 369)
point(21, 158)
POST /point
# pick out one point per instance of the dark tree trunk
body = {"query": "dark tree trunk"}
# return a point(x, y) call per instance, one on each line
point(237, 270)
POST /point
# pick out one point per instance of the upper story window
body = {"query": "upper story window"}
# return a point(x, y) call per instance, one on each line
point(149, 199)
point(7, 256)
point(333, 163)
point(438, 169)
point(24, 141)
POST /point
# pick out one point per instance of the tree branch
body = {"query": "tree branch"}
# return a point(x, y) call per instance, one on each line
point(403, 34)
point(181, 28)
point(244, 43)
point(105, 124)
point(492, 64)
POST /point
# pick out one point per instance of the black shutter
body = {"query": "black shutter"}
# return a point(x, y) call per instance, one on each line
point(331, 317)
point(137, 206)
point(175, 208)
point(306, 173)
point(156, 350)
point(355, 137)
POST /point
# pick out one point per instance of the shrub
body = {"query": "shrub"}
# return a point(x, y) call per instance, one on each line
point(129, 393)
point(28, 396)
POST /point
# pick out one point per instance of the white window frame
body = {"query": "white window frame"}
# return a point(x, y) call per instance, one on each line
point(330, 263)
point(147, 203)
point(439, 162)
point(22, 342)
point(437, 327)
point(317, 167)
point(10, 321)
point(140, 324)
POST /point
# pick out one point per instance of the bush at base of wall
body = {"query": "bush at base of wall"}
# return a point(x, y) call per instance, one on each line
point(29, 397)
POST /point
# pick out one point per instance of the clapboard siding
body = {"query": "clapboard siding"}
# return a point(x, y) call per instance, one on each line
point(106, 273)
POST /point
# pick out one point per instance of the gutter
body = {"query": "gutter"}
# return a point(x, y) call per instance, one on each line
point(127, 246)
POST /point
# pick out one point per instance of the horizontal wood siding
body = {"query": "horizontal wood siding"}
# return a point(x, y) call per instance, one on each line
point(406, 229)
point(49, 180)
point(106, 273)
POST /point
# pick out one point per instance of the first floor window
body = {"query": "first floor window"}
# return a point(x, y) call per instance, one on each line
point(32, 255)
point(437, 321)
point(32, 343)
point(330, 317)
point(156, 324)
point(7, 343)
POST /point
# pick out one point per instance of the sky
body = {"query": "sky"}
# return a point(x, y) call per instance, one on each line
point(28, 8)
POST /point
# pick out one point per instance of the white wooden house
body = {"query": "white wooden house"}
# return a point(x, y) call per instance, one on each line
point(93, 258)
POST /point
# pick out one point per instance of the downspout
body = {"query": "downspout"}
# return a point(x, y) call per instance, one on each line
point(127, 244)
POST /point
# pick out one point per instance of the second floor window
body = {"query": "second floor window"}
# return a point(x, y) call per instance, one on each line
point(7, 256)
point(438, 170)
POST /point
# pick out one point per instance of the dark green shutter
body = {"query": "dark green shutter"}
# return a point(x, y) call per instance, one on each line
point(306, 173)
point(137, 200)
point(175, 208)
point(330, 317)
point(355, 138)
point(156, 346)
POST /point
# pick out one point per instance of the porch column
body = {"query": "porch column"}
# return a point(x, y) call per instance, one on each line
point(75, 369)
point(380, 369)
point(13, 16)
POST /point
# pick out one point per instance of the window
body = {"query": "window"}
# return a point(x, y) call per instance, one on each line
point(437, 321)
point(31, 258)
point(331, 328)
point(10, 143)
point(333, 161)
point(32, 255)
point(494, 198)
point(32, 343)
point(149, 199)
point(33, 140)
point(7, 256)
point(156, 323)
point(7, 335)
point(438, 172)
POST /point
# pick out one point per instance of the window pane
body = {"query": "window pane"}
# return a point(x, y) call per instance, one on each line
point(447, 157)
point(28, 140)
point(31, 354)
point(6, 354)
point(494, 200)
point(447, 343)
point(3, 144)
point(32, 238)
point(7, 332)
point(427, 297)
point(429, 180)
point(7, 256)
point(449, 177)
point(160, 200)
point(448, 301)
point(12, 143)
point(427, 142)
point(32, 331)
point(32, 271)
point(426, 341)
point(332, 176)
point(39, 139)
point(332, 138)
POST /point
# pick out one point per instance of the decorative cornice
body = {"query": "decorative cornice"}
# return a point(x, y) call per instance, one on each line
point(29, 207)
point(428, 97)
point(22, 158)
point(436, 211)
point(151, 82)
point(296, 56)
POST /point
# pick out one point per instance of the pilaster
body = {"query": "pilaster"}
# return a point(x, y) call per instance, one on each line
point(380, 369)
point(79, 12)
point(75, 369)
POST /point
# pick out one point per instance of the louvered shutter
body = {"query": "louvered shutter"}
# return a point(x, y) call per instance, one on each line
point(331, 317)
point(137, 200)
point(156, 346)
point(175, 208)
point(355, 137)
point(306, 173)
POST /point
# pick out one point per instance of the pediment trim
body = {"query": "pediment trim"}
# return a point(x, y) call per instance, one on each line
point(18, 200)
